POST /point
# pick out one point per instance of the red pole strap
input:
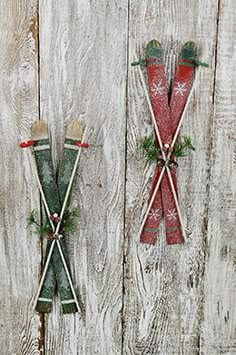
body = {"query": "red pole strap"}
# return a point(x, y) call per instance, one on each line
point(27, 144)
point(81, 145)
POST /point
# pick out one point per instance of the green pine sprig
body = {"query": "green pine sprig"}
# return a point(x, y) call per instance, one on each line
point(182, 147)
point(44, 229)
point(32, 218)
point(41, 229)
point(69, 225)
point(147, 146)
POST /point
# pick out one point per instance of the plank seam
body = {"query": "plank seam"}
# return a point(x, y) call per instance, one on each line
point(42, 316)
point(125, 177)
point(208, 187)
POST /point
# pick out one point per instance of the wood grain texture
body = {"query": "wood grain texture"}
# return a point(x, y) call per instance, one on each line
point(218, 333)
point(164, 284)
point(19, 248)
point(154, 300)
point(83, 52)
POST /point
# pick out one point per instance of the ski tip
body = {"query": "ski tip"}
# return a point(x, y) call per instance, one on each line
point(189, 51)
point(74, 130)
point(39, 130)
point(154, 49)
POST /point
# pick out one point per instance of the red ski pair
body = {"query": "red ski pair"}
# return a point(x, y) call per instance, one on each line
point(167, 115)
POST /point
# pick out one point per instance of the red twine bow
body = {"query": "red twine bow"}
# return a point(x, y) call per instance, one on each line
point(54, 217)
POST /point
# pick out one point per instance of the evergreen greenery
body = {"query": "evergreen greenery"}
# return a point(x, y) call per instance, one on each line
point(183, 146)
point(189, 52)
point(43, 229)
point(147, 146)
point(68, 220)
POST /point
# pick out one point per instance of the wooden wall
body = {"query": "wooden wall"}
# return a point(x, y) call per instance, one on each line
point(71, 58)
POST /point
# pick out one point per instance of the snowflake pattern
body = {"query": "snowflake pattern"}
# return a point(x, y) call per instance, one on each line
point(172, 214)
point(180, 89)
point(157, 89)
point(154, 214)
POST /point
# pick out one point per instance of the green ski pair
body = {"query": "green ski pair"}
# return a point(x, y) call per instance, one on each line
point(54, 192)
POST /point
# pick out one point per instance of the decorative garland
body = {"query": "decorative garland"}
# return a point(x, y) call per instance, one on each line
point(167, 112)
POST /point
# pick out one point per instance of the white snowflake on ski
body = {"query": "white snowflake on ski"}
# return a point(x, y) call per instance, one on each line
point(180, 89)
point(172, 214)
point(157, 89)
point(154, 214)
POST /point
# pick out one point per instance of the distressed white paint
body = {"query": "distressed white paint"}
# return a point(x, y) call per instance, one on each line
point(158, 300)
point(218, 330)
point(19, 247)
point(83, 50)
point(164, 284)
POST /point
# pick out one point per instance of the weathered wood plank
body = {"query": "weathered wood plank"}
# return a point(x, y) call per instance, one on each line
point(83, 51)
point(164, 284)
point(218, 334)
point(19, 249)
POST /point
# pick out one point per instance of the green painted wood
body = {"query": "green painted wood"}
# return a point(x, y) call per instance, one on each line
point(67, 163)
point(56, 269)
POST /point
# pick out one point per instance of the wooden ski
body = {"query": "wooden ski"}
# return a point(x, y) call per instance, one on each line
point(58, 264)
point(164, 131)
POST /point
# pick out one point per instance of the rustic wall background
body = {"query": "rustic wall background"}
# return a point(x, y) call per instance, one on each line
point(70, 58)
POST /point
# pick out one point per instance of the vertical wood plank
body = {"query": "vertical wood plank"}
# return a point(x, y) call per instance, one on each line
point(19, 249)
point(164, 284)
point(83, 51)
point(218, 328)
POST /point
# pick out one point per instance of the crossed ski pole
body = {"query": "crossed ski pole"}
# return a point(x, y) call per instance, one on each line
point(56, 230)
point(164, 156)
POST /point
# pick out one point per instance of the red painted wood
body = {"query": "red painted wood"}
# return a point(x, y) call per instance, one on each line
point(167, 118)
point(180, 90)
